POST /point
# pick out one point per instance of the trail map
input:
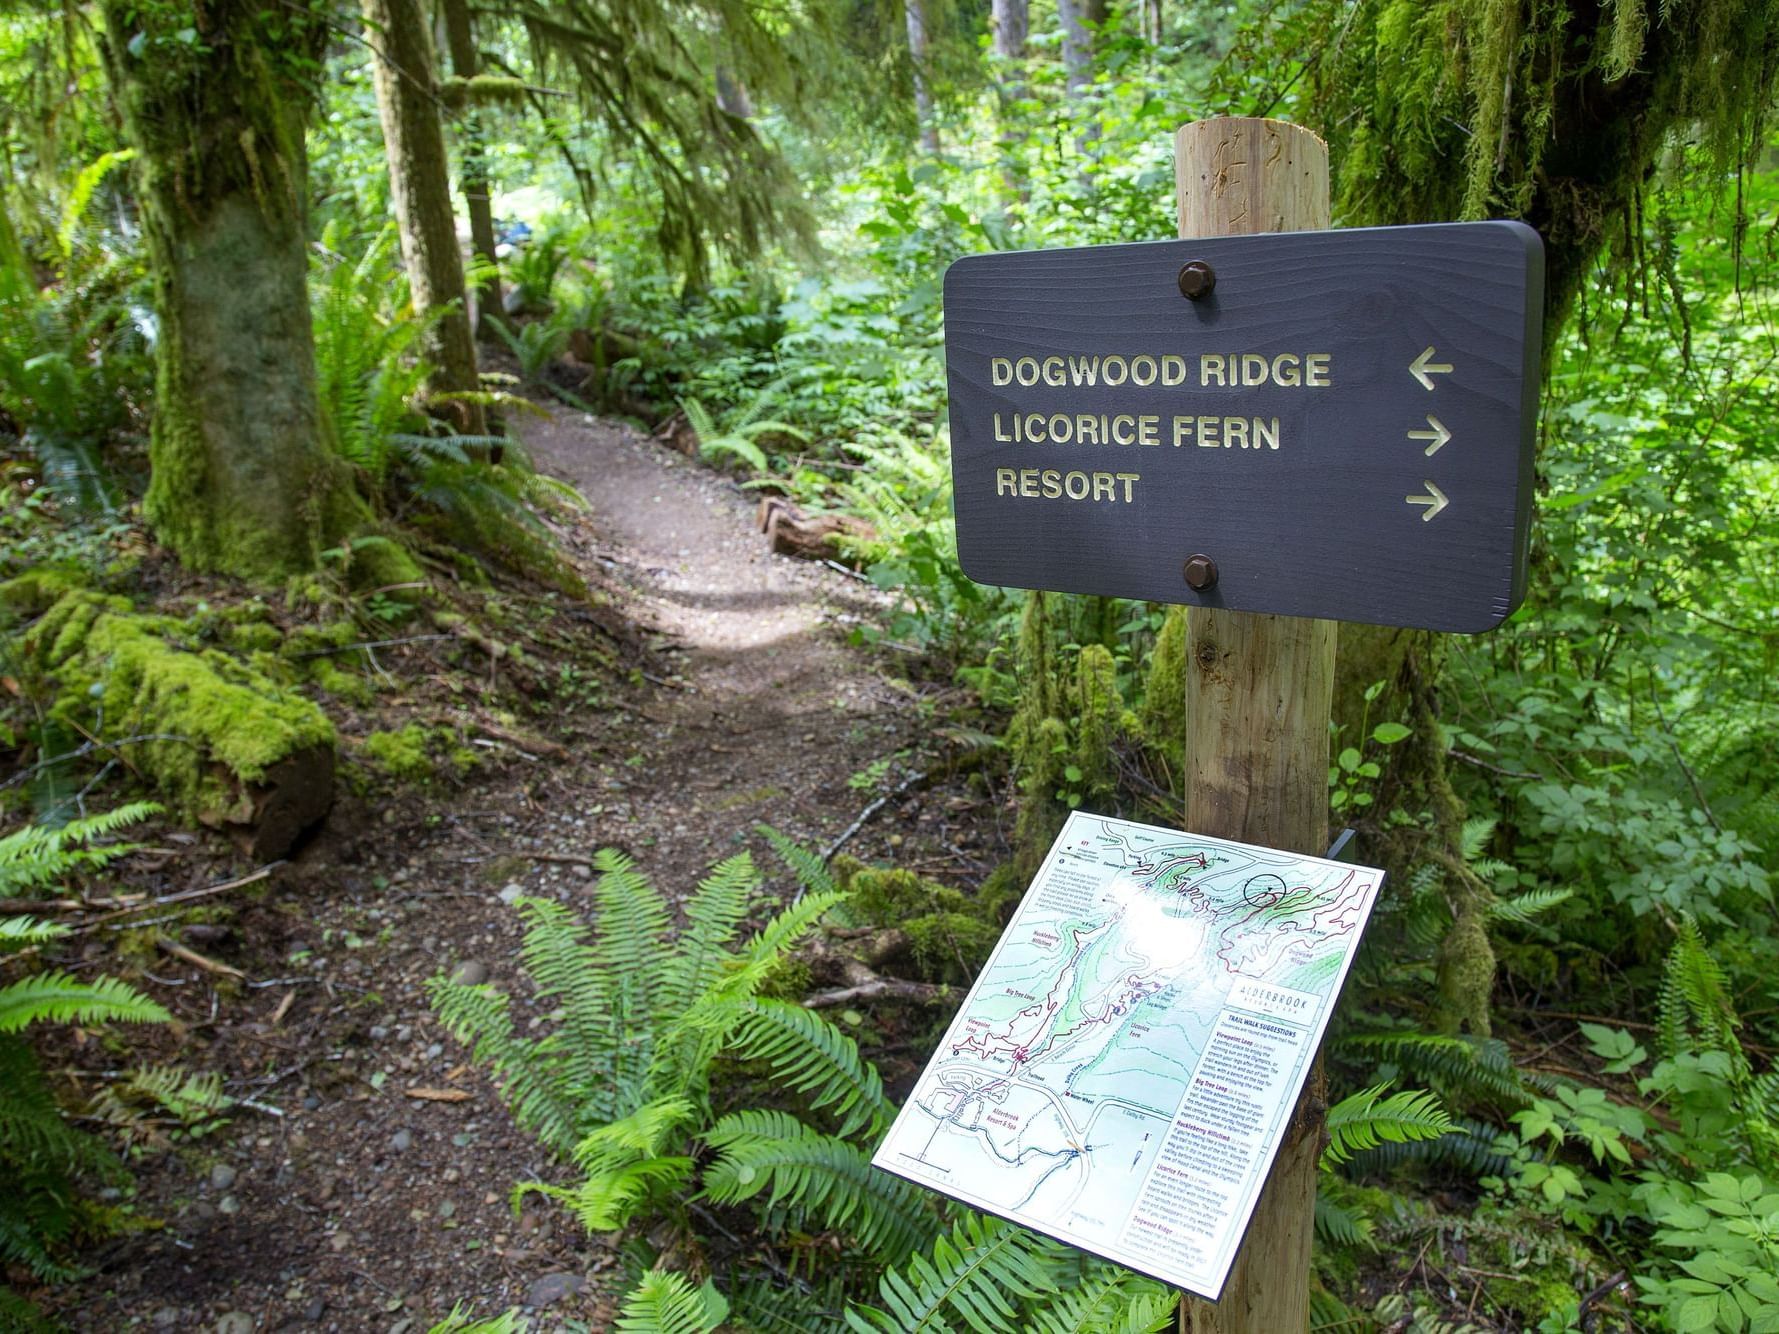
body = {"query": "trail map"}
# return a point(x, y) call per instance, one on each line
point(1124, 1069)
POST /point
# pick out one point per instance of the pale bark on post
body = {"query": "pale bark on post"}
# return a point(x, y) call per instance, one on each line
point(916, 13)
point(460, 37)
point(1257, 701)
point(420, 185)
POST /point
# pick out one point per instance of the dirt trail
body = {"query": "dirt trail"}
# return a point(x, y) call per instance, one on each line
point(773, 714)
point(352, 1204)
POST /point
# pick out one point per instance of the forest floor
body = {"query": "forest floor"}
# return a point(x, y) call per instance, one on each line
point(368, 1187)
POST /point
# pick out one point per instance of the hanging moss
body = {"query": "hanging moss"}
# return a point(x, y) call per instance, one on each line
point(1163, 718)
point(220, 741)
point(1100, 720)
point(1548, 111)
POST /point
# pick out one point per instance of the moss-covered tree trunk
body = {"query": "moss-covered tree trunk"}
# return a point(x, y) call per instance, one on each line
point(420, 184)
point(460, 38)
point(214, 95)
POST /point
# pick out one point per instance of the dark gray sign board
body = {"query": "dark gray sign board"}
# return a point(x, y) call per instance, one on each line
point(1343, 425)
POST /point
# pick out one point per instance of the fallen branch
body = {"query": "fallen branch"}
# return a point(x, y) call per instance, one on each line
point(184, 896)
point(880, 988)
point(902, 789)
point(196, 960)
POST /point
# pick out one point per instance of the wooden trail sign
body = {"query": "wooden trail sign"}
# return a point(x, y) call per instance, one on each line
point(1314, 423)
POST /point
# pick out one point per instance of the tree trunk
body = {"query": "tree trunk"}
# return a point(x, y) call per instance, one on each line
point(1257, 701)
point(460, 36)
point(214, 98)
point(420, 184)
point(1077, 41)
point(916, 13)
point(1012, 24)
point(1152, 21)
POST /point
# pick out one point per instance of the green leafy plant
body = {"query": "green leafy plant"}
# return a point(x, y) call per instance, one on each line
point(535, 345)
point(741, 439)
point(42, 1154)
point(623, 1082)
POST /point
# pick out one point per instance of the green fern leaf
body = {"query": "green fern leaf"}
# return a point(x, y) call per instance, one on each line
point(17, 932)
point(713, 917)
point(1522, 908)
point(974, 1275)
point(62, 998)
point(1109, 1300)
point(39, 855)
point(810, 1055)
point(461, 1322)
point(529, 1074)
point(601, 1042)
point(773, 1153)
point(666, 1303)
point(812, 873)
point(1367, 1117)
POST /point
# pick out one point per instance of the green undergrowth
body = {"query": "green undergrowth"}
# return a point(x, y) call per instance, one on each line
point(417, 753)
point(950, 932)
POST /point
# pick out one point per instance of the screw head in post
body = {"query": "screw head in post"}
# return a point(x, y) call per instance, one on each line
point(1201, 572)
point(1197, 279)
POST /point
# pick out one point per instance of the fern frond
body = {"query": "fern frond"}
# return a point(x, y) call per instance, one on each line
point(1522, 908)
point(1464, 1067)
point(1330, 1315)
point(1110, 1301)
point(1366, 1118)
point(810, 1055)
point(1696, 1011)
point(812, 873)
point(607, 1200)
point(974, 1274)
point(762, 1304)
point(57, 997)
point(598, 1038)
point(1342, 1217)
point(815, 1175)
point(194, 1100)
point(526, 1072)
point(625, 1166)
point(777, 939)
point(18, 932)
point(1470, 1146)
point(32, 1128)
point(665, 1303)
point(39, 855)
point(713, 918)
point(1475, 837)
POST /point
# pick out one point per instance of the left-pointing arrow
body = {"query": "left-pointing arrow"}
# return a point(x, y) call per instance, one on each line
point(1438, 435)
point(1424, 368)
point(1434, 500)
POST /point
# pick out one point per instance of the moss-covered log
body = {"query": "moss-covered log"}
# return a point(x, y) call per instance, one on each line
point(219, 741)
point(214, 95)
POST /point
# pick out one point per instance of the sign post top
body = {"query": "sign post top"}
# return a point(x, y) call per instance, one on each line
point(1334, 424)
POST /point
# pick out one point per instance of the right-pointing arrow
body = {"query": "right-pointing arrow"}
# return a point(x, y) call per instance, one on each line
point(1438, 435)
point(1434, 500)
point(1423, 368)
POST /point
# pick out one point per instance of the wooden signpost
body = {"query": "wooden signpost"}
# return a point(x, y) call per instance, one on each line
point(1328, 425)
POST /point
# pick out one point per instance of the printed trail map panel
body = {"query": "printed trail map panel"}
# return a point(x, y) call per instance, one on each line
point(1343, 425)
point(1124, 1069)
